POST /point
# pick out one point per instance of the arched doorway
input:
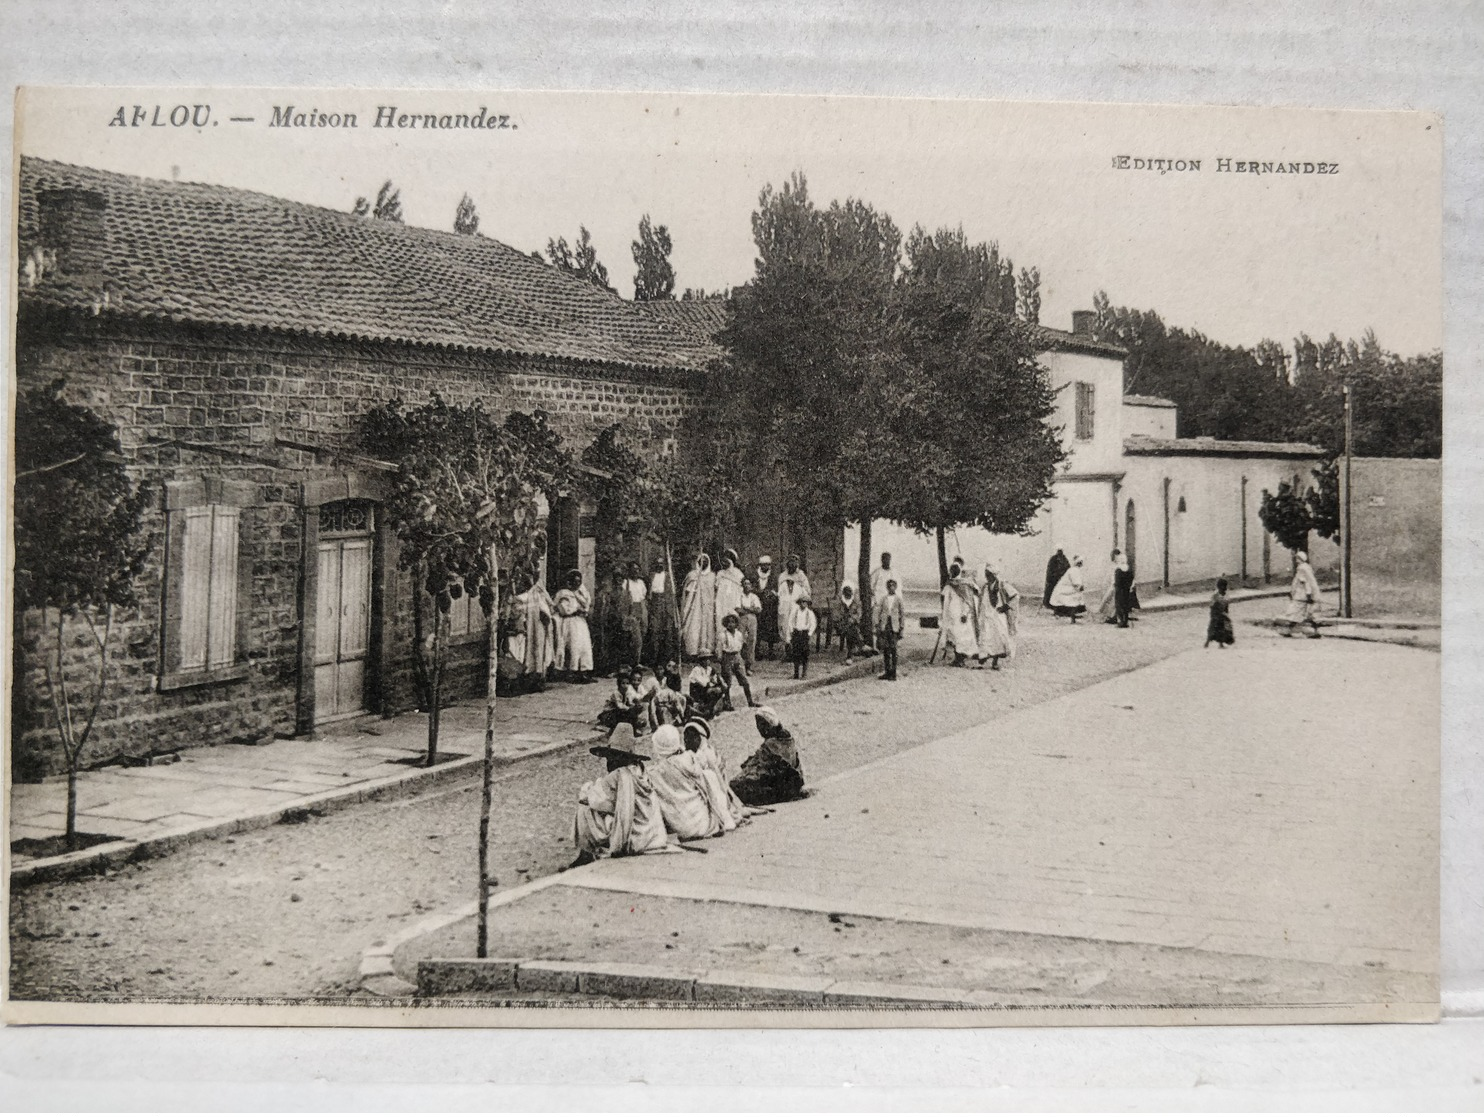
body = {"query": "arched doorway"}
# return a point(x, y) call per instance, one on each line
point(1129, 538)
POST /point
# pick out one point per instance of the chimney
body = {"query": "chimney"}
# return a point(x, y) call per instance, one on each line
point(1083, 322)
point(71, 224)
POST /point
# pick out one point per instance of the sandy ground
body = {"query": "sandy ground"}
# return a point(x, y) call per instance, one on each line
point(287, 911)
point(1019, 969)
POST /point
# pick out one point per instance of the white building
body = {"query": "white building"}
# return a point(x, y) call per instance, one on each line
point(1184, 509)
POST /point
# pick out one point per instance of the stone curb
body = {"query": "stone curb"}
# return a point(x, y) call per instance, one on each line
point(116, 854)
point(867, 665)
point(465, 976)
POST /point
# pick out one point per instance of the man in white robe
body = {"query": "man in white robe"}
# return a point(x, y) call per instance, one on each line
point(959, 618)
point(793, 584)
point(618, 814)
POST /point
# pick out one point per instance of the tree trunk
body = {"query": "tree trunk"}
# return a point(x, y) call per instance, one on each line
point(435, 706)
point(863, 584)
point(72, 766)
point(487, 778)
point(942, 559)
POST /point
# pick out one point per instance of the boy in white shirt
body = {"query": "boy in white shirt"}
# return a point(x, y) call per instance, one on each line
point(732, 668)
point(803, 623)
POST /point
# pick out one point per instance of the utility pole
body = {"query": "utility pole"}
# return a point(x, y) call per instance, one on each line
point(1345, 511)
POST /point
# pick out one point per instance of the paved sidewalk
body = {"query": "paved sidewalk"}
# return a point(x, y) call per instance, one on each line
point(1277, 800)
point(217, 789)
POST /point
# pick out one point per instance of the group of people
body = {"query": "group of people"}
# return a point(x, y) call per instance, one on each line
point(670, 786)
point(978, 619)
point(1065, 591)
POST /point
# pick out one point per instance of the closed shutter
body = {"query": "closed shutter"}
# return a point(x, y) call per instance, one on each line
point(222, 624)
point(195, 588)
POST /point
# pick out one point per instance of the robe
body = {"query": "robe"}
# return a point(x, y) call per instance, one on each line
point(773, 774)
point(767, 592)
point(618, 814)
point(698, 612)
point(715, 771)
point(791, 587)
point(574, 651)
point(1056, 566)
point(1219, 626)
point(998, 600)
point(539, 630)
point(959, 618)
point(1066, 598)
point(692, 806)
point(728, 598)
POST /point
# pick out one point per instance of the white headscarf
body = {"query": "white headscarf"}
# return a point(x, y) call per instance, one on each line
point(666, 742)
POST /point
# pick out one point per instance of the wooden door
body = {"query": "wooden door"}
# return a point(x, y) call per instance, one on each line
point(342, 628)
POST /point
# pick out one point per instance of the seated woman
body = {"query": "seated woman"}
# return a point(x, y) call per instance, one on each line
point(698, 742)
point(773, 773)
point(691, 805)
point(618, 814)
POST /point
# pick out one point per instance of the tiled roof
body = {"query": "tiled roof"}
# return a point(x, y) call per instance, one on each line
point(1080, 343)
point(1148, 401)
point(217, 255)
point(1143, 444)
point(703, 319)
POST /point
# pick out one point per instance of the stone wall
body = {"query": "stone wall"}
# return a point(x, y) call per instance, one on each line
point(271, 410)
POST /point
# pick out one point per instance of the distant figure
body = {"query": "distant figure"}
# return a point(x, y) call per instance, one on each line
point(1219, 627)
point(766, 587)
point(634, 614)
point(891, 622)
point(618, 814)
point(1302, 597)
point(849, 625)
point(1056, 567)
point(661, 643)
point(793, 584)
point(646, 687)
point(748, 615)
point(538, 625)
point(1066, 598)
point(772, 774)
point(959, 616)
point(574, 637)
point(623, 706)
point(698, 609)
point(706, 691)
point(691, 805)
point(999, 606)
point(802, 625)
point(1119, 599)
point(670, 706)
point(879, 577)
point(728, 593)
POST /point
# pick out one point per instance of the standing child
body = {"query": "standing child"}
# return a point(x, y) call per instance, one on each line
point(891, 620)
point(732, 667)
point(1219, 627)
point(802, 626)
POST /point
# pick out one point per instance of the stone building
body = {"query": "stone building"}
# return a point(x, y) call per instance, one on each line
point(233, 339)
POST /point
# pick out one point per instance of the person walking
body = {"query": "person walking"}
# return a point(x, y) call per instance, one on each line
point(958, 619)
point(733, 670)
point(1067, 598)
point(891, 623)
point(1056, 568)
point(1303, 597)
point(1219, 626)
point(999, 602)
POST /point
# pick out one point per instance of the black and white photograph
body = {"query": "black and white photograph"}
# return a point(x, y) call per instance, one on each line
point(658, 560)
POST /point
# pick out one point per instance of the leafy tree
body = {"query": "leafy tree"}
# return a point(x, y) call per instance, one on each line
point(580, 259)
point(814, 348)
point(1323, 501)
point(696, 294)
point(362, 207)
point(655, 277)
point(78, 550)
point(1028, 296)
point(1287, 516)
point(466, 217)
point(975, 404)
point(388, 205)
point(464, 507)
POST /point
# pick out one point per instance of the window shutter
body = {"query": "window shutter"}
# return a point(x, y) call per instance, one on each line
point(195, 587)
point(223, 604)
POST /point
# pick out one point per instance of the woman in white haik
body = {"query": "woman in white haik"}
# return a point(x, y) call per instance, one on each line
point(1067, 599)
point(1302, 597)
